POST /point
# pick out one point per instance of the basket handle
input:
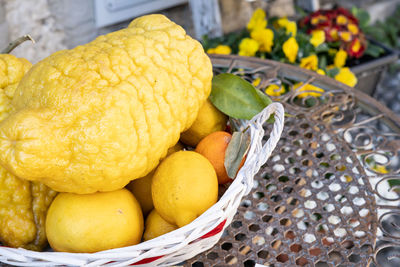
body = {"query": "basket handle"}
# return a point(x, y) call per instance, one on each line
point(259, 119)
point(263, 152)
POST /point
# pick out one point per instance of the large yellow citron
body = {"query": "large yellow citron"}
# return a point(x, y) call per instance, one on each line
point(184, 186)
point(209, 120)
point(94, 222)
point(23, 204)
point(97, 116)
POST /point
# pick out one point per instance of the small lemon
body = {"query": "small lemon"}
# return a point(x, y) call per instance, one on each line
point(155, 226)
point(141, 188)
point(94, 222)
point(209, 120)
point(184, 186)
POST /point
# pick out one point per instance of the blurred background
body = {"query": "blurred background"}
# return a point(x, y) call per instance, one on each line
point(62, 24)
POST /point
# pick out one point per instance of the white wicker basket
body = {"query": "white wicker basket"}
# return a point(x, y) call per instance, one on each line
point(185, 242)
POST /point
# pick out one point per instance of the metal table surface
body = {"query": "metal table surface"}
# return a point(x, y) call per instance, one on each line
point(329, 194)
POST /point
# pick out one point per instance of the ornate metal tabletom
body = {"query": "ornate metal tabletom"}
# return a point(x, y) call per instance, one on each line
point(328, 195)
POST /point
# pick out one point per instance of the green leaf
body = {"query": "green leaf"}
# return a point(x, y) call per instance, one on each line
point(235, 152)
point(322, 62)
point(322, 48)
point(236, 97)
point(374, 50)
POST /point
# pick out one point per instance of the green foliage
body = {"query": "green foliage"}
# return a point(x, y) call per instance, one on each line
point(387, 31)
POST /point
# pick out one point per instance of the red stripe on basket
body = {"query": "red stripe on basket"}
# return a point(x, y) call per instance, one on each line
point(215, 231)
point(147, 260)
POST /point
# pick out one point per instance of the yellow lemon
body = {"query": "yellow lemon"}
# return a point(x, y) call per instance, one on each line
point(184, 186)
point(209, 120)
point(141, 188)
point(155, 226)
point(94, 222)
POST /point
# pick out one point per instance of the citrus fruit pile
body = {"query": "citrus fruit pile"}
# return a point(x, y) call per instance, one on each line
point(125, 132)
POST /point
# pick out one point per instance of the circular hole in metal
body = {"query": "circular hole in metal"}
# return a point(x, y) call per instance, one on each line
point(230, 260)
point(295, 248)
point(244, 250)
point(314, 251)
point(290, 234)
point(333, 219)
point(236, 224)
point(254, 227)
point(226, 246)
point(354, 258)
point(322, 195)
point(271, 187)
point(335, 256)
point(263, 254)
point(240, 237)
point(245, 203)
point(262, 206)
point(340, 232)
point(288, 190)
point(308, 135)
point(346, 210)
point(309, 238)
point(258, 195)
point(327, 241)
point(285, 222)
point(283, 178)
point(267, 218)
point(282, 257)
point(301, 261)
point(249, 263)
point(258, 240)
point(276, 244)
point(198, 264)
point(276, 198)
point(321, 264)
point(348, 244)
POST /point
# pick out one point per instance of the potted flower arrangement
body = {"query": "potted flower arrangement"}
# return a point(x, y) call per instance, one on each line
point(330, 42)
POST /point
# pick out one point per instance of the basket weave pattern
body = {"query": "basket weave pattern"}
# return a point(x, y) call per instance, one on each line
point(185, 242)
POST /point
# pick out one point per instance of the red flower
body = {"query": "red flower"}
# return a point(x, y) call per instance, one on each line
point(356, 48)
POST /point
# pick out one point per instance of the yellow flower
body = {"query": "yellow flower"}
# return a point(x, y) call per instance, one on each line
point(282, 22)
point(264, 37)
point(313, 90)
point(346, 36)
point(274, 90)
point(321, 71)
point(248, 47)
point(353, 28)
point(346, 76)
point(310, 62)
point(290, 48)
point(341, 20)
point(291, 28)
point(257, 20)
point(380, 169)
point(340, 58)
point(256, 81)
point(317, 38)
point(220, 49)
point(318, 19)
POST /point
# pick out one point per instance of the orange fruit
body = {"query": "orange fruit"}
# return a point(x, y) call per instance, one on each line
point(213, 147)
